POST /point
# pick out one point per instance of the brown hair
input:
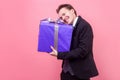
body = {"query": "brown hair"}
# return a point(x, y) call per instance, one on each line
point(67, 6)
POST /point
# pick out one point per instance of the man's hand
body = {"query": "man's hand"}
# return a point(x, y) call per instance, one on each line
point(54, 52)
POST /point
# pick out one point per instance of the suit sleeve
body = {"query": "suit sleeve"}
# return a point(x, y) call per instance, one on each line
point(84, 46)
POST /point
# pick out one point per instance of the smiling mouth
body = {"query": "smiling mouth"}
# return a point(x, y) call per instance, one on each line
point(65, 21)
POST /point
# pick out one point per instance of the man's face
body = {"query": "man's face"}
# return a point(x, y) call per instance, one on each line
point(66, 15)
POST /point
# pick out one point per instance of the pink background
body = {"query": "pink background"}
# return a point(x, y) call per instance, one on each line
point(19, 26)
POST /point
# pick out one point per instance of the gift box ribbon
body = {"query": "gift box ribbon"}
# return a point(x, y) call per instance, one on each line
point(56, 28)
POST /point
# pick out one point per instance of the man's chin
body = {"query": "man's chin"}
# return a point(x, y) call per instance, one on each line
point(69, 23)
point(66, 22)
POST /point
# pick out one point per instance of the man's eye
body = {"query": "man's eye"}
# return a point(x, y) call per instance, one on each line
point(63, 14)
point(60, 17)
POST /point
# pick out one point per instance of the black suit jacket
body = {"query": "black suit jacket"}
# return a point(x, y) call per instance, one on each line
point(80, 55)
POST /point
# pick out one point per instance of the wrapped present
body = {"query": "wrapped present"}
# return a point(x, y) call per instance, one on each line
point(56, 34)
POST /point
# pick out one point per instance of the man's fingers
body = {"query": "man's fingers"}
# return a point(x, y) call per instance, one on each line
point(54, 52)
point(52, 48)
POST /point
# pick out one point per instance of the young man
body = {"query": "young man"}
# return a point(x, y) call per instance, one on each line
point(78, 63)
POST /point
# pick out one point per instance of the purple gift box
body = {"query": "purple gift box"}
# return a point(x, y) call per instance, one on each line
point(54, 34)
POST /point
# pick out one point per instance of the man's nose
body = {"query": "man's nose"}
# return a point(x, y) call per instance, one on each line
point(63, 17)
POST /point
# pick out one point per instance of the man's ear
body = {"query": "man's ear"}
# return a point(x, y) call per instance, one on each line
point(72, 10)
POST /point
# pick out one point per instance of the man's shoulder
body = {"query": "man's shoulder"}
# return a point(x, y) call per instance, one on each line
point(82, 21)
point(82, 24)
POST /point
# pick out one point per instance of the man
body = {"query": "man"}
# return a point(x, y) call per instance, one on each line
point(78, 63)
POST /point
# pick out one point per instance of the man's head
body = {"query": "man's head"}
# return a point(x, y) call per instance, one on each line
point(67, 13)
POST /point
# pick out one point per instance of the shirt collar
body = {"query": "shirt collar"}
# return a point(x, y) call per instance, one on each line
point(75, 21)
